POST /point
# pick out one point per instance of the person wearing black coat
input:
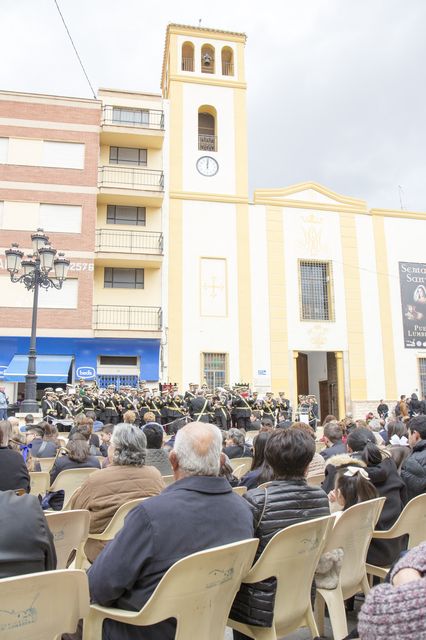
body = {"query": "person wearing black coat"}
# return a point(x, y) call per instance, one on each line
point(287, 500)
point(13, 470)
point(413, 470)
point(383, 473)
point(26, 543)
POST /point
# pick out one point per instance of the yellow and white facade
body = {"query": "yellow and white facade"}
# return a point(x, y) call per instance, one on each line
point(220, 289)
point(234, 283)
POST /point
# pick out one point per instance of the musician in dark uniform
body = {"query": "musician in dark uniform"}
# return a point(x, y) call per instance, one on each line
point(242, 410)
point(200, 407)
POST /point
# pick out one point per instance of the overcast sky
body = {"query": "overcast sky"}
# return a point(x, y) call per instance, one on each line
point(336, 88)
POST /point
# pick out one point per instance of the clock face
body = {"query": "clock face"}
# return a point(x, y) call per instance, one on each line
point(207, 166)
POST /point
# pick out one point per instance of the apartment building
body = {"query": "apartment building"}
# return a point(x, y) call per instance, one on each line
point(90, 174)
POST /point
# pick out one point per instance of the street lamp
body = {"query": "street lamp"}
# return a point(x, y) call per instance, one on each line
point(35, 274)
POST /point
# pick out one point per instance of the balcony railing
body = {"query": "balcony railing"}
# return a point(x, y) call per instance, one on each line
point(187, 64)
point(131, 178)
point(129, 241)
point(122, 318)
point(207, 142)
point(142, 118)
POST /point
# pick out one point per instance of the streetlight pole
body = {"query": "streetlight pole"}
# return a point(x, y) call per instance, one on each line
point(36, 269)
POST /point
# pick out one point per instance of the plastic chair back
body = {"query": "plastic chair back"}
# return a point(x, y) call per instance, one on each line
point(117, 521)
point(70, 530)
point(198, 591)
point(42, 606)
point(352, 533)
point(168, 480)
point(45, 463)
point(237, 462)
point(315, 480)
point(412, 521)
point(70, 480)
point(40, 482)
point(295, 552)
point(240, 490)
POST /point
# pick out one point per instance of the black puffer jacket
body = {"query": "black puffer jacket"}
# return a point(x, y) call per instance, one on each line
point(414, 470)
point(281, 504)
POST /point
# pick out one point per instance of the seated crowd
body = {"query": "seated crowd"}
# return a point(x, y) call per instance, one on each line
point(359, 461)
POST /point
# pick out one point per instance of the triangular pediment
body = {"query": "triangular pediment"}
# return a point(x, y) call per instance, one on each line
point(309, 193)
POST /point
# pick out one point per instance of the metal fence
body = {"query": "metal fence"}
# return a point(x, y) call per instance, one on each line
point(207, 142)
point(131, 178)
point(129, 241)
point(144, 118)
point(122, 317)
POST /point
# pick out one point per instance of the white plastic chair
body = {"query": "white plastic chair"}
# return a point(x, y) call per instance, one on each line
point(291, 557)
point(315, 480)
point(70, 530)
point(237, 462)
point(240, 490)
point(42, 606)
point(168, 480)
point(198, 591)
point(45, 463)
point(352, 532)
point(70, 480)
point(40, 482)
point(411, 522)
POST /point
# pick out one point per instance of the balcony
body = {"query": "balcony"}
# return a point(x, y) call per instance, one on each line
point(129, 183)
point(122, 126)
point(114, 246)
point(121, 318)
point(207, 142)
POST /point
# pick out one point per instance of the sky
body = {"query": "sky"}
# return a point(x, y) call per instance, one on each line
point(336, 88)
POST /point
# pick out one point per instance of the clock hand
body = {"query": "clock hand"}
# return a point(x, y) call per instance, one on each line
point(208, 160)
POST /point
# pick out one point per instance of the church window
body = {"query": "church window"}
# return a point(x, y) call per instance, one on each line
point(207, 138)
point(315, 290)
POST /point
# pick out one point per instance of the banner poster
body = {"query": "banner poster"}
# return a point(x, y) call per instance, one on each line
point(412, 279)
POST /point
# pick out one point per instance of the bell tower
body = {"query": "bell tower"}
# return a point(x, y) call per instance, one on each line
point(207, 294)
point(204, 82)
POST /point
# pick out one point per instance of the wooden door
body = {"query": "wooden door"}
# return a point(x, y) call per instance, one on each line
point(323, 399)
point(302, 375)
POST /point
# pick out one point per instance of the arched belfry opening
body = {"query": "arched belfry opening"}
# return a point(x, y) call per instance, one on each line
point(207, 59)
point(227, 61)
point(187, 56)
point(207, 128)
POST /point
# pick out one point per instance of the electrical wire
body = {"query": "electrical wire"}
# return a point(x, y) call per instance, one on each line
point(75, 49)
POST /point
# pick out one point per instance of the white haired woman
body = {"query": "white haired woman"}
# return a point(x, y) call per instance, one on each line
point(126, 478)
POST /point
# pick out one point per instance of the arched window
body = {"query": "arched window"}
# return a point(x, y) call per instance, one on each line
point(207, 138)
point(227, 61)
point(207, 59)
point(187, 56)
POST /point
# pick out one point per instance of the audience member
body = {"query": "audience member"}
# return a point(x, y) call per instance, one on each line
point(127, 477)
point(105, 436)
point(317, 464)
point(236, 446)
point(398, 444)
point(26, 543)
point(156, 456)
point(13, 471)
point(40, 446)
point(77, 457)
point(413, 471)
point(129, 417)
point(287, 500)
point(333, 435)
point(352, 485)
point(252, 478)
point(190, 515)
point(394, 610)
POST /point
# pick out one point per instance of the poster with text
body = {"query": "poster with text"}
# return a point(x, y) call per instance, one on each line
point(412, 278)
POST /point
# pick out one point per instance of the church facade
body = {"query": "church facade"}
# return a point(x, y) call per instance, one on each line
point(179, 273)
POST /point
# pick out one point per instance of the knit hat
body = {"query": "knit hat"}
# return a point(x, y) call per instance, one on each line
point(397, 613)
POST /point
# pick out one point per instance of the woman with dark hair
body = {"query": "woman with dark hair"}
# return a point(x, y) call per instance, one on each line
point(398, 446)
point(383, 473)
point(76, 456)
point(259, 470)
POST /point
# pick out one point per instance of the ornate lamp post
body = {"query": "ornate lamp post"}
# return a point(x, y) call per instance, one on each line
point(36, 269)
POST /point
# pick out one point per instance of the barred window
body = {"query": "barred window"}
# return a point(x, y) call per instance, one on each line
point(119, 214)
point(214, 369)
point(315, 290)
point(123, 278)
point(422, 372)
point(128, 155)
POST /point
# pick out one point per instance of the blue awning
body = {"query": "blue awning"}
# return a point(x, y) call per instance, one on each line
point(49, 369)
